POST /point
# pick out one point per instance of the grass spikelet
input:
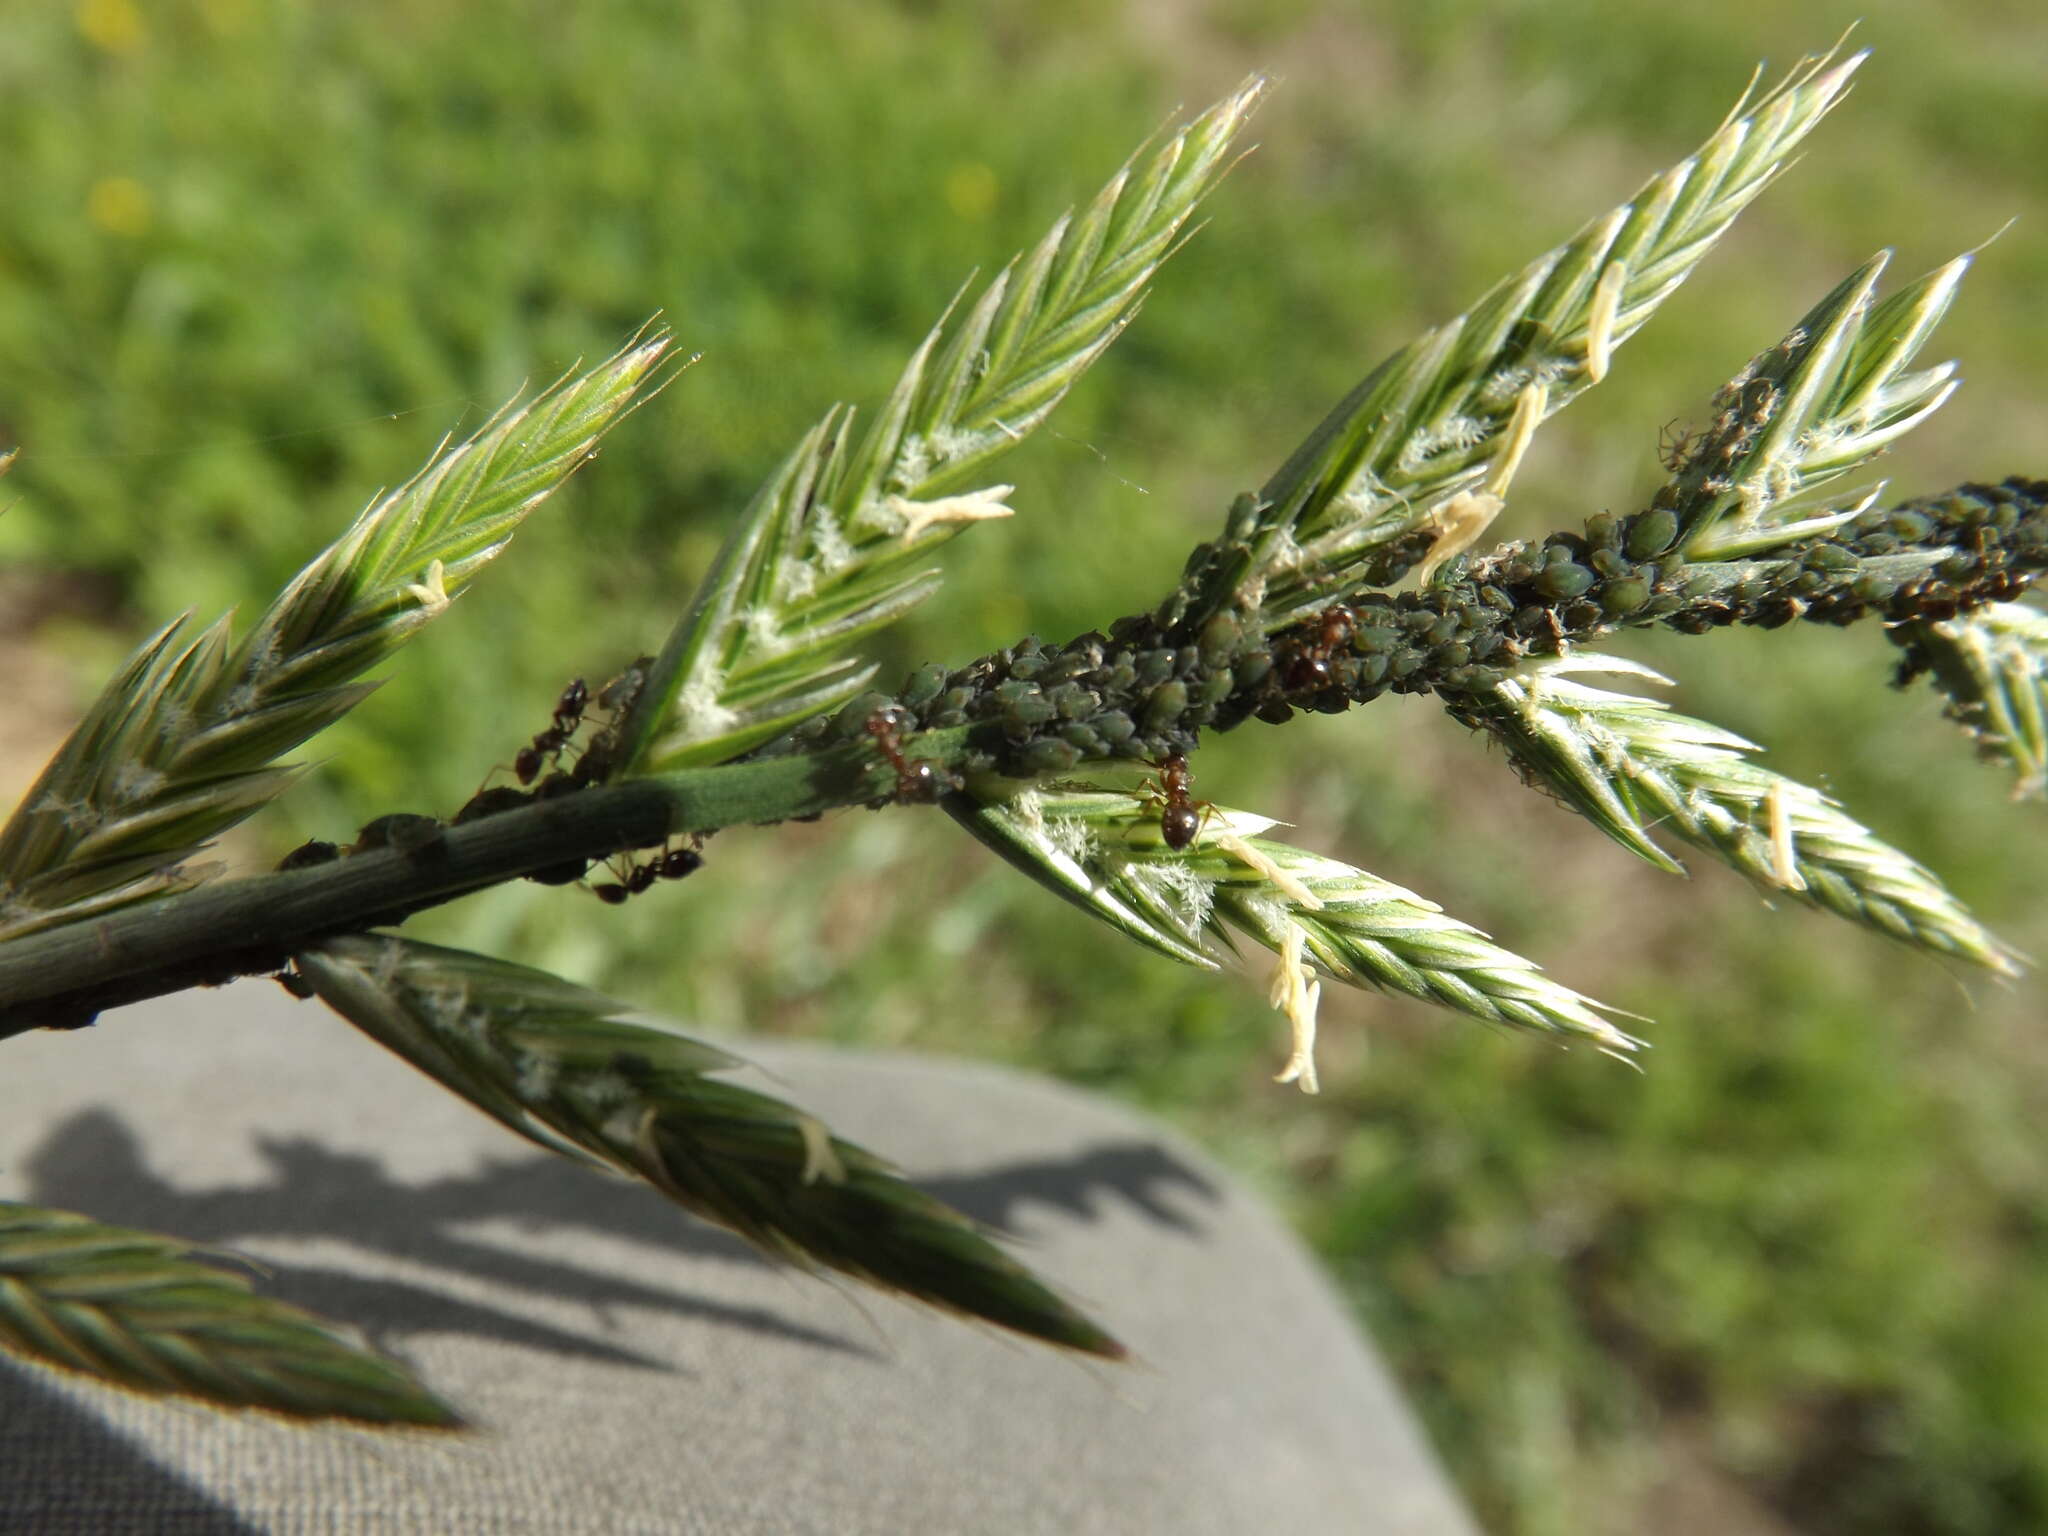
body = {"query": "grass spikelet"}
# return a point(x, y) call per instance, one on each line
point(1308, 909)
point(1438, 417)
point(1629, 763)
point(554, 1062)
point(835, 541)
point(1828, 398)
point(129, 1308)
point(1993, 665)
point(179, 746)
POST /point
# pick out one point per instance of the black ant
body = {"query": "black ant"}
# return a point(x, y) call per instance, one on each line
point(617, 697)
point(1181, 816)
point(673, 864)
point(548, 744)
point(916, 782)
point(1308, 666)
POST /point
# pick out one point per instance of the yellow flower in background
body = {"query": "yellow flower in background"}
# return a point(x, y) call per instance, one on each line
point(112, 26)
point(119, 205)
point(971, 190)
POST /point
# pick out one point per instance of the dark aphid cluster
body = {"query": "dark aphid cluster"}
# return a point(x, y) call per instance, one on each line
point(1146, 689)
point(670, 864)
point(1138, 693)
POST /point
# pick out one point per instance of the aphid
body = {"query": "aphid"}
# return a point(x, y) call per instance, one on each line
point(1180, 815)
point(618, 696)
point(491, 802)
point(623, 691)
point(308, 854)
point(402, 830)
point(1308, 664)
point(916, 781)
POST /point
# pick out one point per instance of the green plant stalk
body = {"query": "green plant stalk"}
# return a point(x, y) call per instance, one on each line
point(1924, 560)
point(252, 926)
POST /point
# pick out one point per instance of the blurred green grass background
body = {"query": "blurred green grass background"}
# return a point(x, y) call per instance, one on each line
point(256, 256)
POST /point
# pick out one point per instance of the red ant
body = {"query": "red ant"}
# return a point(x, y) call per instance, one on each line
point(673, 864)
point(548, 744)
point(1181, 816)
point(1309, 664)
point(915, 781)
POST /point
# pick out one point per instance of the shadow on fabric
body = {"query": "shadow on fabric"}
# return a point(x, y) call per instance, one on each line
point(95, 1163)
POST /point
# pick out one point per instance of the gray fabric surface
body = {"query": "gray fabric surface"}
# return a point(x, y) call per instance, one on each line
point(634, 1371)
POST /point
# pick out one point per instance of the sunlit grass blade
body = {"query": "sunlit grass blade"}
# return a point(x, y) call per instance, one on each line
point(180, 745)
point(129, 1308)
point(833, 547)
point(555, 1063)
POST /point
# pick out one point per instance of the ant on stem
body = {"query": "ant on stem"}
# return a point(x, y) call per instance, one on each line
point(917, 782)
point(548, 744)
point(673, 864)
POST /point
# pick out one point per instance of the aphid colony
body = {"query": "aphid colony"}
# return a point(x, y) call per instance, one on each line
point(1144, 691)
